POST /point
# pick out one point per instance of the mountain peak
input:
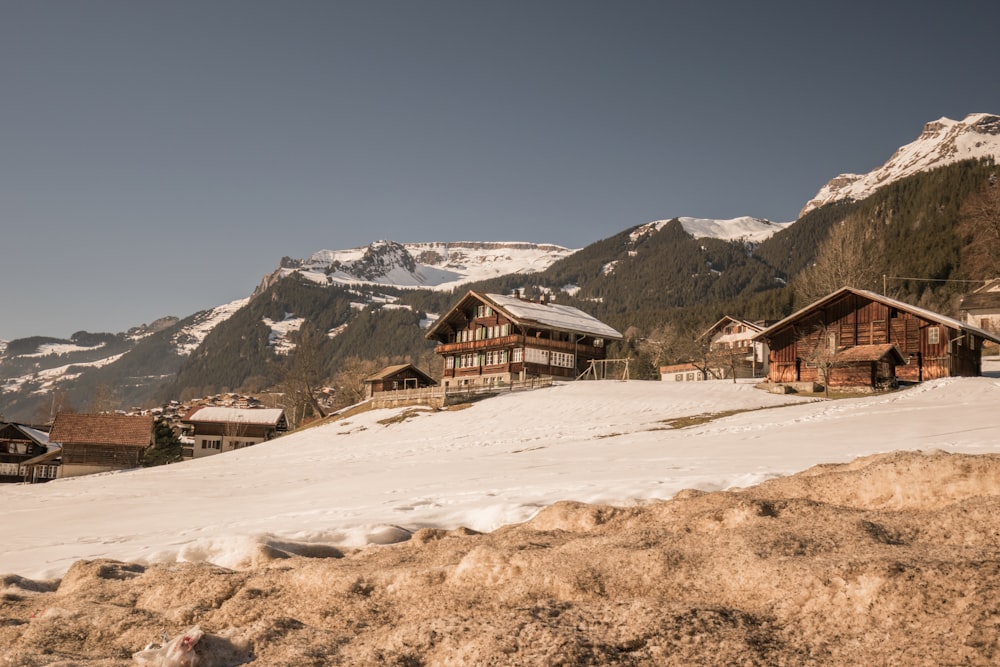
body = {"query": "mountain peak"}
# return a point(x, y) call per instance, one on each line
point(943, 141)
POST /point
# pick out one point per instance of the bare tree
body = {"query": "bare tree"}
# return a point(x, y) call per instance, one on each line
point(666, 343)
point(848, 257)
point(819, 345)
point(350, 379)
point(979, 225)
point(104, 400)
point(303, 378)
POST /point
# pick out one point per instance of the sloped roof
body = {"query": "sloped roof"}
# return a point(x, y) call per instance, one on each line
point(76, 428)
point(39, 437)
point(546, 315)
point(389, 371)
point(870, 353)
point(923, 313)
point(753, 326)
point(249, 416)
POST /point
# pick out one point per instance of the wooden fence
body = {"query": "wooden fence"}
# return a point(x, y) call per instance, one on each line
point(439, 397)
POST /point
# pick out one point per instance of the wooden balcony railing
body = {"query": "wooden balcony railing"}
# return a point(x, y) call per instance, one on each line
point(515, 341)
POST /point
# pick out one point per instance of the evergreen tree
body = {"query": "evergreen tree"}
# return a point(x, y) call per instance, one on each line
point(166, 445)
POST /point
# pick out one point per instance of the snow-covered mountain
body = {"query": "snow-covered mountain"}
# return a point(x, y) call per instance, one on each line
point(942, 142)
point(744, 228)
point(420, 265)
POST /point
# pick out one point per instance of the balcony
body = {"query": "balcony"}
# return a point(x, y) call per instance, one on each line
point(516, 341)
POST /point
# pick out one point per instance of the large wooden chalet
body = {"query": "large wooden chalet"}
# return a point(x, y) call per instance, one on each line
point(864, 339)
point(93, 443)
point(489, 339)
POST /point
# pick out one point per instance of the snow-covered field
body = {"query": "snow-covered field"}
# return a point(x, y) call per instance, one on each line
point(373, 477)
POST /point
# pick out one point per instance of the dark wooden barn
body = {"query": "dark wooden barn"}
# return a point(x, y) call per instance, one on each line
point(815, 341)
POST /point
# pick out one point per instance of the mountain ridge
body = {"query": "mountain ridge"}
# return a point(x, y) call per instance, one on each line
point(360, 297)
point(942, 142)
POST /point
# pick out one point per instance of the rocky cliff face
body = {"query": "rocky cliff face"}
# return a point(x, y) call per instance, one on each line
point(942, 142)
point(428, 265)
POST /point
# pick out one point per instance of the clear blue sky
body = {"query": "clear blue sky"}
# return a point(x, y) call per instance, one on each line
point(158, 158)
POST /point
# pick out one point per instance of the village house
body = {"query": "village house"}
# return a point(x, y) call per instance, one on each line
point(93, 443)
point(981, 307)
point(733, 351)
point(395, 378)
point(490, 339)
point(681, 373)
point(213, 430)
point(19, 444)
point(861, 339)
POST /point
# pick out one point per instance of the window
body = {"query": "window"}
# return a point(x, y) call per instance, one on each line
point(518, 355)
point(679, 377)
point(484, 311)
point(211, 444)
point(449, 362)
point(933, 335)
point(562, 359)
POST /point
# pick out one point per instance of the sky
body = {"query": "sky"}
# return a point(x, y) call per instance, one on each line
point(159, 158)
point(373, 478)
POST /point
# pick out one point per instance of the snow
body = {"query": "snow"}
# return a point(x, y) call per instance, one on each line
point(373, 477)
point(189, 338)
point(280, 331)
point(47, 379)
point(60, 349)
point(564, 318)
point(439, 266)
point(942, 142)
point(744, 228)
point(225, 415)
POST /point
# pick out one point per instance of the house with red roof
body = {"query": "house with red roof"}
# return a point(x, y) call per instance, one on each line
point(93, 443)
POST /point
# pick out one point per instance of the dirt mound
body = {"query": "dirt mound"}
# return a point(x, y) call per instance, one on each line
point(891, 559)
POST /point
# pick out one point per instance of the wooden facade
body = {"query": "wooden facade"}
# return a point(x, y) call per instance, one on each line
point(930, 345)
point(496, 339)
point(18, 445)
point(93, 443)
point(397, 378)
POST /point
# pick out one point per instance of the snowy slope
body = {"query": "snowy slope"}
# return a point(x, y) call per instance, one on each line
point(746, 228)
point(942, 142)
point(427, 265)
point(374, 477)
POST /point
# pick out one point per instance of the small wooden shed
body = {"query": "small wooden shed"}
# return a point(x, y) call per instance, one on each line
point(394, 378)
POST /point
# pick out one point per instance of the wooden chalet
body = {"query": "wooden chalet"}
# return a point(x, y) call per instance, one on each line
point(866, 340)
point(395, 378)
point(489, 339)
point(214, 430)
point(93, 443)
point(20, 444)
point(733, 351)
point(981, 307)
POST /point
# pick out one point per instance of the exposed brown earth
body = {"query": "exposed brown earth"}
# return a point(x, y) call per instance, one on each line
point(891, 559)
